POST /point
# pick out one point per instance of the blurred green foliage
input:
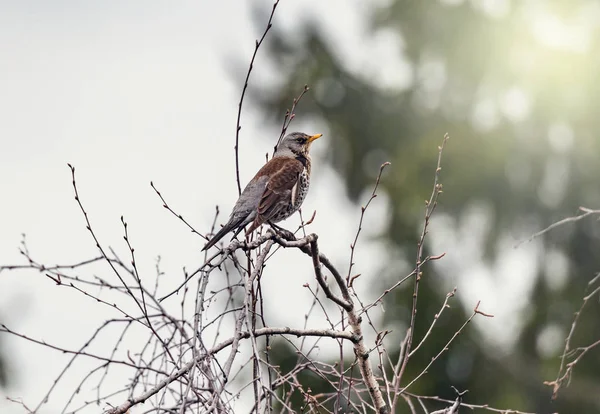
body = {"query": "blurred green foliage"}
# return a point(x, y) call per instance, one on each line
point(515, 84)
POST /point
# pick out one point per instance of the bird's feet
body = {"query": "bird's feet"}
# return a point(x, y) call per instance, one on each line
point(286, 234)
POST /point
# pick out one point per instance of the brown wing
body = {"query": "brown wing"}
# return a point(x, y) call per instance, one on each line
point(283, 176)
point(279, 187)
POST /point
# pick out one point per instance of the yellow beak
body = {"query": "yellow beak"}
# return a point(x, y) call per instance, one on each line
point(314, 137)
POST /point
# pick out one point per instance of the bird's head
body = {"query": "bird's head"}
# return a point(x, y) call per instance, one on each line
point(296, 144)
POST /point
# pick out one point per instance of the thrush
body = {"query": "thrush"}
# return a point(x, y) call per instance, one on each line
point(276, 191)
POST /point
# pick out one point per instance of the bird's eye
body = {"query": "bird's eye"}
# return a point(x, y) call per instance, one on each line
point(301, 140)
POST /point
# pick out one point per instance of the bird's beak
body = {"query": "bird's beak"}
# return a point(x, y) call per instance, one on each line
point(314, 137)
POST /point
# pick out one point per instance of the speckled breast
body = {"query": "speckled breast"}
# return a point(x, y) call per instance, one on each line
point(297, 199)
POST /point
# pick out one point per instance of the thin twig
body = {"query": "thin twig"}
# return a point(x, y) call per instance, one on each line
point(476, 311)
point(122, 409)
point(586, 212)
point(435, 319)
point(565, 370)
point(471, 406)
point(239, 114)
point(363, 209)
point(430, 206)
point(290, 114)
point(179, 216)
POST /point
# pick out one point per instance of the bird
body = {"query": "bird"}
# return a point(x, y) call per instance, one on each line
point(277, 190)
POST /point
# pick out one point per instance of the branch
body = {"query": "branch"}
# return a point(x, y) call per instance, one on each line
point(569, 368)
point(354, 318)
point(122, 409)
point(471, 406)
point(435, 319)
point(239, 114)
point(476, 311)
point(314, 250)
point(566, 370)
point(429, 209)
point(586, 212)
point(4, 328)
point(179, 216)
point(290, 114)
point(362, 216)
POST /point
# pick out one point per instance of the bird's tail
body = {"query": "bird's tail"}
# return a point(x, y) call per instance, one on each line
point(215, 239)
point(233, 223)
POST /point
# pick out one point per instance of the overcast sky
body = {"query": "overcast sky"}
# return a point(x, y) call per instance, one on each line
point(130, 92)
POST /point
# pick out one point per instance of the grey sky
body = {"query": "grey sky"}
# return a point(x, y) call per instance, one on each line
point(129, 93)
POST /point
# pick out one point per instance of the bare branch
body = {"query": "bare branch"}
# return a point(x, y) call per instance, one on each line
point(476, 311)
point(179, 216)
point(362, 216)
point(586, 213)
point(430, 206)
point(242, 335)
point(566, 369)
point(290, 114)
point(257, 45)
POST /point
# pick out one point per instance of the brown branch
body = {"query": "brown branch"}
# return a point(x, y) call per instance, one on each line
point(314, 249)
